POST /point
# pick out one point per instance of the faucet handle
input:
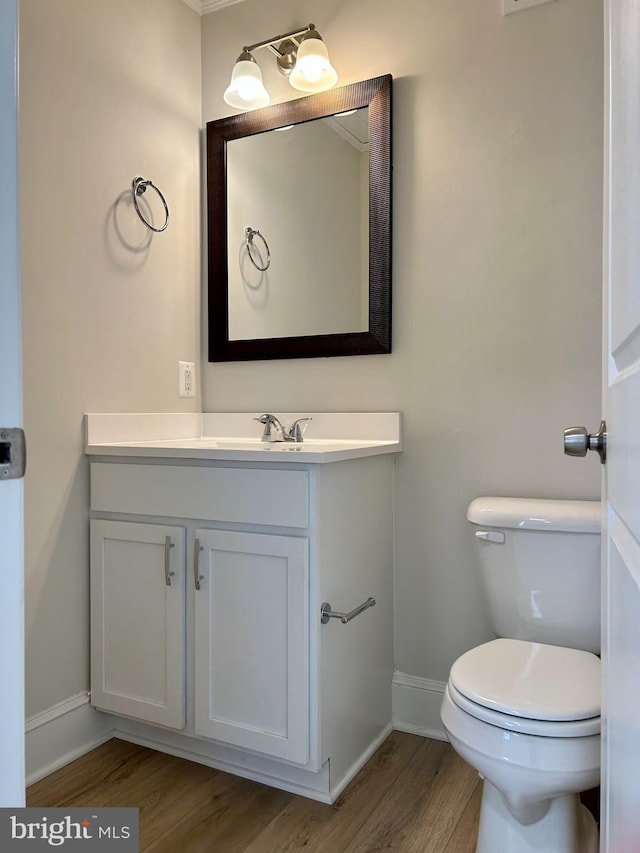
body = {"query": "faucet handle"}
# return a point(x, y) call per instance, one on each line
point(295, 433)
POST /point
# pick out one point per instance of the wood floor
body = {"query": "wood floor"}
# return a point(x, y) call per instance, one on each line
point(413, 795)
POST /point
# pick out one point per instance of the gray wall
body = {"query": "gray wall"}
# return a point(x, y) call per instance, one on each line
point(496, 274)
point(108, 91)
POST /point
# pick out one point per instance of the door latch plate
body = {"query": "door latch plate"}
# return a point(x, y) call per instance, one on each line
point(13, 453)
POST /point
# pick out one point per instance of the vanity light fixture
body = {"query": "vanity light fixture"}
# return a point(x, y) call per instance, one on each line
point(301, 55)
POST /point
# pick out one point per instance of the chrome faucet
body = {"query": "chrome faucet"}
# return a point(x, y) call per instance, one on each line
point(274, 431)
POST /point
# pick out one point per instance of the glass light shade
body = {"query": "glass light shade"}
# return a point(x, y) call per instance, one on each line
point(246, 90)
point(313, 72)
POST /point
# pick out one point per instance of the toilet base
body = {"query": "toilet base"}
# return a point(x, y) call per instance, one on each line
point(568, 827)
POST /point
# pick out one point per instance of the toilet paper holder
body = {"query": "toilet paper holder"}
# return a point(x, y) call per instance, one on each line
point(327, 613)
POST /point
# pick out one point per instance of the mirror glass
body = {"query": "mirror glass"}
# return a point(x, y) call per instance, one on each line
point(299, 227)
point(313, 241)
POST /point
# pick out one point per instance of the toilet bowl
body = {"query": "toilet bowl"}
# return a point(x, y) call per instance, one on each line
point(533, 767)
point(525, 713)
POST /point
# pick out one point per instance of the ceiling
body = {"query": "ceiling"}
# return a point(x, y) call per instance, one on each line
point(203, 7)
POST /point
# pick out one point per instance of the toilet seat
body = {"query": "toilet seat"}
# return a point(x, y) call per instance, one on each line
point(524, 725)
point(529, 687)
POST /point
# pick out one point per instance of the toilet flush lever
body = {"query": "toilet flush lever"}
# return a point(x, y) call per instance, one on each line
point(577, 441)
point(490, 536)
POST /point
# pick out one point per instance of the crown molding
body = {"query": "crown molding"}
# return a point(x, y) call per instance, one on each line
point(203, 7)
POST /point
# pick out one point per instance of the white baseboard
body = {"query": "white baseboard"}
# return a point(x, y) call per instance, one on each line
point(63, 733)
point(416, 705)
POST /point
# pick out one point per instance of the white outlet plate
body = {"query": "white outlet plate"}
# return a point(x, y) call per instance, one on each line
point(510, 6)
point(186, 379)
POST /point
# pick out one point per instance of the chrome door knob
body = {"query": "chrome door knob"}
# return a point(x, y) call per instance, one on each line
point(577, 441)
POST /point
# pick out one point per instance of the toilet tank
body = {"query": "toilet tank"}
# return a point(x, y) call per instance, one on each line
point(540, 567)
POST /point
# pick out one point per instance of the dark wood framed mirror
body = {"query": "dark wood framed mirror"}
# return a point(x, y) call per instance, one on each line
point(299, 227)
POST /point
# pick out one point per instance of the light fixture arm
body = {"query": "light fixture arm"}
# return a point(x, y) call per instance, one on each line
point(270, 43)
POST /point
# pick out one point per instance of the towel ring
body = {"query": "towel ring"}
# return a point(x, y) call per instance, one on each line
point(138, 187)
point(249, 234)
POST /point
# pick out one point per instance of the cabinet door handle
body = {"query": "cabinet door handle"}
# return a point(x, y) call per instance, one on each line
point(168, 574)
point(197, 577)
point(327, 613)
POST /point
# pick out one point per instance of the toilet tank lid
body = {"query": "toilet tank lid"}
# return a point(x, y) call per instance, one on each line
point(536, 514)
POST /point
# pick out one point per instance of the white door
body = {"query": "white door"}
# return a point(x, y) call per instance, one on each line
point(138, 621)
point(252, 642)
point(11, 520)
point(620, 827)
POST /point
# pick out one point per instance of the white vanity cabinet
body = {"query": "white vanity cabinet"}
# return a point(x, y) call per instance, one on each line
point(207, 581)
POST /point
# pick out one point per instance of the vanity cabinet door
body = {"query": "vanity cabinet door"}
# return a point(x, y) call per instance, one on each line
point(252, 642)
point(137, 621)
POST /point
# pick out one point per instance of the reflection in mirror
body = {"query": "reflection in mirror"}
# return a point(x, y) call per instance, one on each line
point(311, 277)
point(299, 227)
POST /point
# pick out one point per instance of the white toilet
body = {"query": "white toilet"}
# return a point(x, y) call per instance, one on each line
point(524, 710)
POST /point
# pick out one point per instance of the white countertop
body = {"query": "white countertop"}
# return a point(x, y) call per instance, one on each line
point(235, 436)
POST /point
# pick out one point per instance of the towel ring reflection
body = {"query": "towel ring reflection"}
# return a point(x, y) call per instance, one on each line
point(249, 234)
point(138, 187)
